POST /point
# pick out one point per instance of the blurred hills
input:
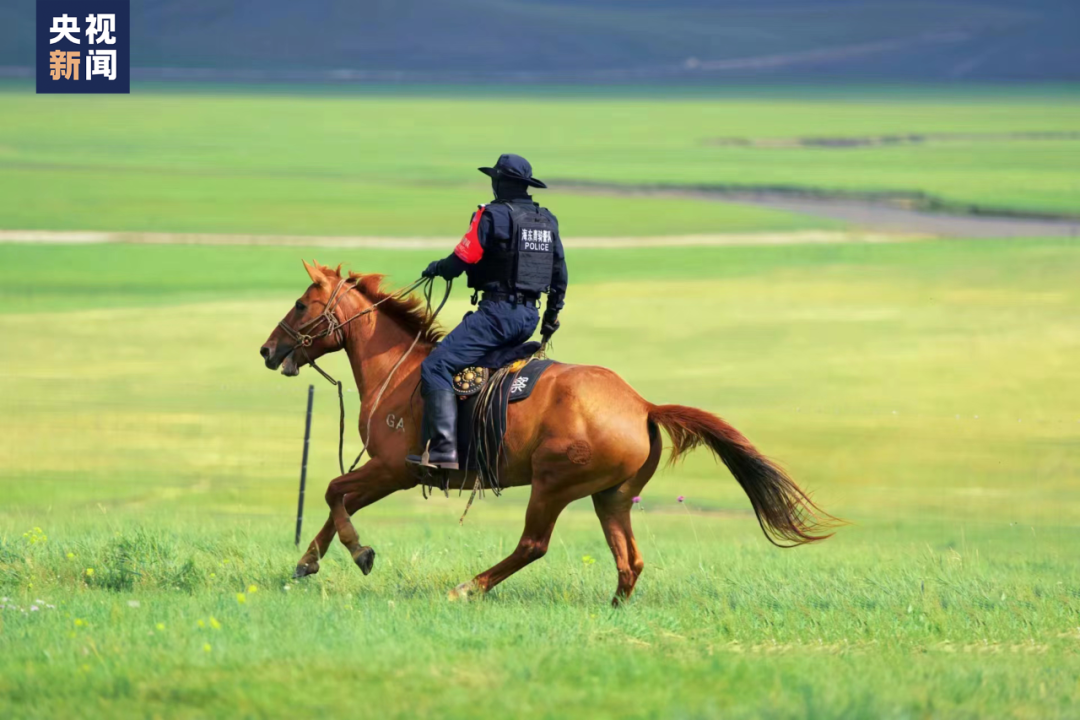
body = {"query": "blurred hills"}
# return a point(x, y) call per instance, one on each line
point(589, 40)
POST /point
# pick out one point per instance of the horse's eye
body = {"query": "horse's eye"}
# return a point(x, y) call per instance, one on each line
point(300, 307)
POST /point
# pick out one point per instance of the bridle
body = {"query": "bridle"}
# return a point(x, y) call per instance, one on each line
point(303, 339)
point(333, 325)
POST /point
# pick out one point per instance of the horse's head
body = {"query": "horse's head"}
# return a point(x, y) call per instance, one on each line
point(311, 328)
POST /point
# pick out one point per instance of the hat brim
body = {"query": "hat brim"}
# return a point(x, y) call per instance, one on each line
point(492, 172)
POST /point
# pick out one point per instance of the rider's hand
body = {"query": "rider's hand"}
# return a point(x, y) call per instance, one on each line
point(550, 324)
point(432, 270)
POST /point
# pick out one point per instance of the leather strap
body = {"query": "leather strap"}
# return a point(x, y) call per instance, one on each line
point(512, 298)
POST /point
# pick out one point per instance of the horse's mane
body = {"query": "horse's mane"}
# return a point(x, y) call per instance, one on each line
point(410, 312)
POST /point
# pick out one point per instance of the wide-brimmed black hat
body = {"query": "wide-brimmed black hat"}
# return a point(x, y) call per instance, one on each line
point(513, 167)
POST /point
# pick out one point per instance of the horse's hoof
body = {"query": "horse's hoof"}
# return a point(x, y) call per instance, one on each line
point(465, 591)
point(364, 559)
point(305, 569)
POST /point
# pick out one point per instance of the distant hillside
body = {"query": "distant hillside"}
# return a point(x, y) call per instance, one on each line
point(593, 40)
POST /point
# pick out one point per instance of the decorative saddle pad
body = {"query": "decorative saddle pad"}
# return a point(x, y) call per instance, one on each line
point(482, 415)
point(470, 381)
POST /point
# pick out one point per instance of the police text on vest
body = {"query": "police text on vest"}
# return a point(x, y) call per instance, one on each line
point(536, 240)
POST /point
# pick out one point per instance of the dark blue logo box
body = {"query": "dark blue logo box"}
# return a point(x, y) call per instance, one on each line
point(83, 46)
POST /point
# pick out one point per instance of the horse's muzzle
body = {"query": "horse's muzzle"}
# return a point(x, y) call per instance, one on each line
point(272, 355)
point(276, 356)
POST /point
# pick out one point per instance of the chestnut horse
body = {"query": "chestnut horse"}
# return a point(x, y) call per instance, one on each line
point(583, 432)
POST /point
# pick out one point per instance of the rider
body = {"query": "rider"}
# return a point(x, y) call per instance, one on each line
point(512, 253)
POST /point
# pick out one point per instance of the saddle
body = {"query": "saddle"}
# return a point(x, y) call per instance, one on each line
point(485, 392)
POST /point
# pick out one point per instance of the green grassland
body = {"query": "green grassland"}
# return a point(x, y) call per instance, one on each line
point(381, 161)
point(927, 392)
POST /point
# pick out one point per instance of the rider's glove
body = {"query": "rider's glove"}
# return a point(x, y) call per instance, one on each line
point(432, 270)
point(550, 324)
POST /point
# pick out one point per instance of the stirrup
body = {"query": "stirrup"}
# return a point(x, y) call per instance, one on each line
point(424, 460)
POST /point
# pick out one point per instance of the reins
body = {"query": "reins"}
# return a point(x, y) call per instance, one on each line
point(335, 326)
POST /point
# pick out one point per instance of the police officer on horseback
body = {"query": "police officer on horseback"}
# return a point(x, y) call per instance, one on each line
point(511, 254)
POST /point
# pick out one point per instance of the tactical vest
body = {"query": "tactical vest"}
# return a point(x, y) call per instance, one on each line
point(524, 262)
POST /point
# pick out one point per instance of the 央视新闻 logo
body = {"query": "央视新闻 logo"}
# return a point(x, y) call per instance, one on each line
point(83, 46)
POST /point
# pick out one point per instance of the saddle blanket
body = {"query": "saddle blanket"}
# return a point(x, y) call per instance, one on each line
point(482, 417)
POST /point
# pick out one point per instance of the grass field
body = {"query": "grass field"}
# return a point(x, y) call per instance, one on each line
point(927, 392)
point(382, 161)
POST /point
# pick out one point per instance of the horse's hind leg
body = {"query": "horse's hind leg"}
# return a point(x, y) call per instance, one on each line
point(559, 478)
point(614, 512)
point(613, 508)
point(540, 519)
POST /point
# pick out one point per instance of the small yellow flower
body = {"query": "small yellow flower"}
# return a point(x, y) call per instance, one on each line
point(160, 626)
point(89, 572)
point(35, 536)
point(588, 559)
point(213, 575)
point(241, 598)
point(79, 623)
point(71, 556)
point(201, 624)
point(206, 647)
point(214, 623)
point(252, 589)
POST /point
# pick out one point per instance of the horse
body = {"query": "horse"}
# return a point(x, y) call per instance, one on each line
point(584, 432)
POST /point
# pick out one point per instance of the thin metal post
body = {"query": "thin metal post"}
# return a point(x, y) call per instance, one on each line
point(303, 464)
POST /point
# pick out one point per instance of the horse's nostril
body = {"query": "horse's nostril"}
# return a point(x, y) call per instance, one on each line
point(265, 352)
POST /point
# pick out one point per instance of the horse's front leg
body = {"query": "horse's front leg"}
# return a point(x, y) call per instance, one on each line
point(346, 495)
point(309, 563)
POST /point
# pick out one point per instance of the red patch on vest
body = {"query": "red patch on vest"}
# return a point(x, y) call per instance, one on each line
point(469, 249)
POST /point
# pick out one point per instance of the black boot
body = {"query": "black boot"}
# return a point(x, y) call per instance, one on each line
point(438, 436)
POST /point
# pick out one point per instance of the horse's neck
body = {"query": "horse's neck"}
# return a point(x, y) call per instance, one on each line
point(374, 347)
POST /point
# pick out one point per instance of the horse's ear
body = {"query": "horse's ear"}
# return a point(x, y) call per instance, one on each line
point(316, 274)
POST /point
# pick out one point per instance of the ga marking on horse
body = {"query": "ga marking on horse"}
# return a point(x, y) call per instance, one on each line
point(583, 432)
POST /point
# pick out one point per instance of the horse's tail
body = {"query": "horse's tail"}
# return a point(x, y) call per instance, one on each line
point(787, 515)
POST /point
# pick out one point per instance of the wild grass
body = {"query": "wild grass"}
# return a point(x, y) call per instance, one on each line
point(293, 161)
point(923, 391)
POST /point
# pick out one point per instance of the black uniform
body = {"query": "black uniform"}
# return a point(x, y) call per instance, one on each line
point(512, 254)
point(495, 227)
point(508, 314)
